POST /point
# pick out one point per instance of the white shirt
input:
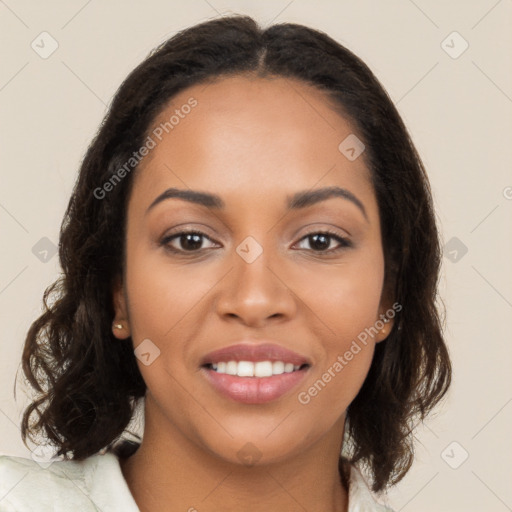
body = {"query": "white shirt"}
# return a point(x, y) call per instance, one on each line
point(97, 484)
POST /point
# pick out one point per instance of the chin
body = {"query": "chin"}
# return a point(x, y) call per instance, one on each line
point(257, 443)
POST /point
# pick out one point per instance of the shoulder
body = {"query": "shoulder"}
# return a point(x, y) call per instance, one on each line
point(360, 498)
point(25, 483)
point(95, 483)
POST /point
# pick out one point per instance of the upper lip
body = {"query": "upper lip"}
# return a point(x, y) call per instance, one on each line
point(255, 352)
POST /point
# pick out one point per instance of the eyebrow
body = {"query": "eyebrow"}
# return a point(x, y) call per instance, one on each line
point(299, 200)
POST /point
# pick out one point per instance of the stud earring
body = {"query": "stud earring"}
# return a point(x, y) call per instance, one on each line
point(118, 326)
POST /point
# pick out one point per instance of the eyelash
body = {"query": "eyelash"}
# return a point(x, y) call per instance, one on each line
point(344, 242)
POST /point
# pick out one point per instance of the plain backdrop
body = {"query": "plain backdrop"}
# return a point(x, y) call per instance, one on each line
point(448, 68)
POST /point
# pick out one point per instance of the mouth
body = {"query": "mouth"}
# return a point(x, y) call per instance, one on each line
point(254, 374)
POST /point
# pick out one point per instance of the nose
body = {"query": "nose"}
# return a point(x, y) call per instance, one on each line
point(256, 292)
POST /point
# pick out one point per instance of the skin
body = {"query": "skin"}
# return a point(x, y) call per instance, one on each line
point(253, 142)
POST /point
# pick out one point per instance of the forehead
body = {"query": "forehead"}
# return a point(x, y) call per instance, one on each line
point(270, 136)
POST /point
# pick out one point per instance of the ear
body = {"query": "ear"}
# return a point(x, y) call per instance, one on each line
point(388, 307)
point(120, 323)
point(384, 324)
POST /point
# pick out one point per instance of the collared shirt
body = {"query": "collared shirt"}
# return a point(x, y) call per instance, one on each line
point(97, 484)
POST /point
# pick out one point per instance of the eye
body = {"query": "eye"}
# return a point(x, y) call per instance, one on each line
point(320, 241)
point(190, 241)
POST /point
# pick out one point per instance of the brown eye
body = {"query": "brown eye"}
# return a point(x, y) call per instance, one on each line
point(187, 241)
point(321, 241)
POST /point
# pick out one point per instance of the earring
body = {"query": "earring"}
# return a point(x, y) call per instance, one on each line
point(118, 326)
point(384, 318)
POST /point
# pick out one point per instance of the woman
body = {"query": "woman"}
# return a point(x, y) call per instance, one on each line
point(251, 248)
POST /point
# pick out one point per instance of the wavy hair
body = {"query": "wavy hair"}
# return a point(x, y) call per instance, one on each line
point(87, 382)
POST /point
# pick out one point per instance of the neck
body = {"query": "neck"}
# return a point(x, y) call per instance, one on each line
point(170, 472)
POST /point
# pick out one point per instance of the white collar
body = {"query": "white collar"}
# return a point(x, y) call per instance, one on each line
point(360, 497)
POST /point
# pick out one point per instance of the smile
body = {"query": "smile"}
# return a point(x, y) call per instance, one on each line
point(254, 373)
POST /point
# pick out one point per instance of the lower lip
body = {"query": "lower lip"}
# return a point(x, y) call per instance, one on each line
point(254, 390)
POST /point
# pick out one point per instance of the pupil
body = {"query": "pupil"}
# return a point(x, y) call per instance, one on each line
point(194, 244)
point(321, 245)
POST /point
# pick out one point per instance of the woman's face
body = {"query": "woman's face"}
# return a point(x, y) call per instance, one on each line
point(260, 289)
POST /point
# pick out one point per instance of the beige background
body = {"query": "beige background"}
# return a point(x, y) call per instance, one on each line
point(457, 109)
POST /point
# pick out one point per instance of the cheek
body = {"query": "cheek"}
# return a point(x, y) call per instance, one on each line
point(346, 300)
point(164, 304)
point(167, 306)
point(349, 310)
point(346, 296)
point(163, 296)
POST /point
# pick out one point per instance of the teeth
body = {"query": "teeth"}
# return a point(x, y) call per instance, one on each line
point(277, 367)
point(263, 369)
point(288, 368)
point(258, 369)
point(245, 369)
point(231, 368)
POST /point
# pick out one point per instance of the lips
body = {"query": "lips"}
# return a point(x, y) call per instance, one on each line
point(255, 353)
point(254, 374)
